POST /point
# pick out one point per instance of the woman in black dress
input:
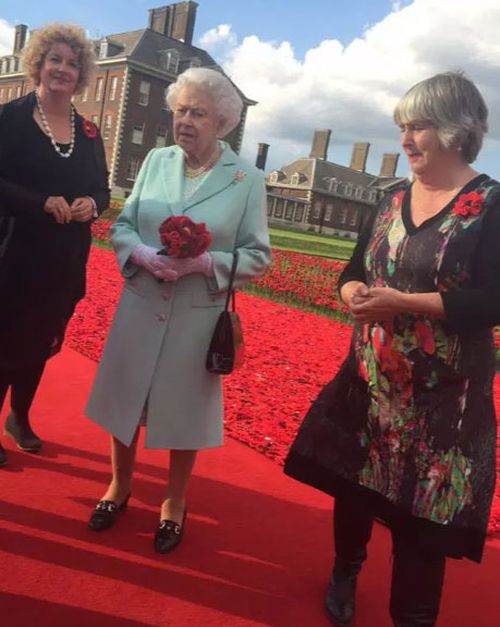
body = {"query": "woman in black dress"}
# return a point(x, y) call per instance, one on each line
point(406, 432)
point(53, 182)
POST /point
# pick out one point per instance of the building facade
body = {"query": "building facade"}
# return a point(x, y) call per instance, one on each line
point(316, 195)
point(126, 98)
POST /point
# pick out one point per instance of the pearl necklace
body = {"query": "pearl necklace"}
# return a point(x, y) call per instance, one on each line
point(48, 131)
point(192, 173)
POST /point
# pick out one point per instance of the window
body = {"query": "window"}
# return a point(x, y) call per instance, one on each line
point(348, 189)
point(132, 169)
point(161, 136)
point(94, 117)
point(108, 124)
point(195, 62)
point(144, 89)
point(113, 87)
point(85, 94)
point(358, 192)
point(317, 210)
point(328, 212)
point(278, 210)
point(138, 133)
point(295, 180)
point(353, 219)
point(1, 94)
point(289, 210)
point(172, 61)
point(270, 205)
point(299, 212)
point(9, 94)
point(98, 89)
point(18, 91)
point(343, 216)
point(103, 49)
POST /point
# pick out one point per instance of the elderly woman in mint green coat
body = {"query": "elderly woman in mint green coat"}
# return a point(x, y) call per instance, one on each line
point(153, 367)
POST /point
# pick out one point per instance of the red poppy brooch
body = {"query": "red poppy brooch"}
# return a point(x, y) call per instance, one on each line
point(89, 128)
point(470, 204)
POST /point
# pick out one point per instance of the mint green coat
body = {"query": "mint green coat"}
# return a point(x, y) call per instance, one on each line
point(160, 334)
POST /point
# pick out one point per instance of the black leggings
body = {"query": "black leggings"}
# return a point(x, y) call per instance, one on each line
point(417, 575)
point(23, 383)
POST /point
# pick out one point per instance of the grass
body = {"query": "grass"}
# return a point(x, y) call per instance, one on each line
point(312, 244)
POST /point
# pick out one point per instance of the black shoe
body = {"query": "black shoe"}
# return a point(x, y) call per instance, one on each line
point(22, 434)
point(339, 599)
point(3, 456)
point(105, 513)
point(169, 534)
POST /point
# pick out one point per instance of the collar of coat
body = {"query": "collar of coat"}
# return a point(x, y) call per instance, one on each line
point(224, 174)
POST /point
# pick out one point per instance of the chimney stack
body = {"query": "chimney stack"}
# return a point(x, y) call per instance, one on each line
point(319, 148)
point(389, 164)
point(359, 156)
point(260, 162)
point(175, 20)
point(21, 31)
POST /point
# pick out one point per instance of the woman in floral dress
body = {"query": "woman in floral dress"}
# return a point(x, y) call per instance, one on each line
point(406, 432)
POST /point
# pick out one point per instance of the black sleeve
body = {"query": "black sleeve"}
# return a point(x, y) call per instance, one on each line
point(355, 269)
point(14, 199)
point(102, 193)
point(479, 307)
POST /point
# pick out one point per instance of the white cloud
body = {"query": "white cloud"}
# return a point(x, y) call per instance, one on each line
point(219, 41)
point(352, 89)
point(6, 37)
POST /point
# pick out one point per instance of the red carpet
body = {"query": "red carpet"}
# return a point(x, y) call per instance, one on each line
point(256, 551)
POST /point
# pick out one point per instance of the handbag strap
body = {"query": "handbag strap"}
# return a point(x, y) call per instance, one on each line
point(230, 291)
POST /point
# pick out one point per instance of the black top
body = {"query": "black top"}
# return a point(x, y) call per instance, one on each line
point(42, 263)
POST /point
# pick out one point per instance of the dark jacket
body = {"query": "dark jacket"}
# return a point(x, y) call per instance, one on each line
point(42, 263)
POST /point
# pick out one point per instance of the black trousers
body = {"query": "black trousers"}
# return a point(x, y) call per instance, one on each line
point(23, 383)
point(417, 576)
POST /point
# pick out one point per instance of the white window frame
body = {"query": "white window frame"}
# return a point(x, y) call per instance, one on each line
point(133, 167)
point(161, 139)
point(107, 126)
point(144, 92)
point(113, 87)
point(99, 84)
point(138, 133)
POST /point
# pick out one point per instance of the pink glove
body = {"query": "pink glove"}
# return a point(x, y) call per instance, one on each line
point(147, 257)
point(203, 264)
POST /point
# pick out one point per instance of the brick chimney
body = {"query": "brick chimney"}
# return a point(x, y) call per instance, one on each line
point(175, 20)
point(260, 162)
point(21, 31)
point(359, 156)
point(389, 164)
point(321, 139)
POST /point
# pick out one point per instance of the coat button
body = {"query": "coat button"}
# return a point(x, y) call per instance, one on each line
point(165, 296)
point(161, 317)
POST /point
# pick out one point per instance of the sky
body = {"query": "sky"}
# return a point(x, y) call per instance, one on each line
point(312, 64)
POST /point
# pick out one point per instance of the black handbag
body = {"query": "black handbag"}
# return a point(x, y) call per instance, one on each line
point(226, 350)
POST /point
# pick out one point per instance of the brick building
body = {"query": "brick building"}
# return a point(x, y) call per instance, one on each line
point(126, 97)
point(314, 194)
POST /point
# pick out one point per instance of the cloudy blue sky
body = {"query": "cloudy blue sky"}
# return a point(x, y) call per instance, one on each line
point(318, 63)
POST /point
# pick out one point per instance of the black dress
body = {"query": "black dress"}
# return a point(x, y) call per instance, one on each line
point(42, 263)
point(408, 426)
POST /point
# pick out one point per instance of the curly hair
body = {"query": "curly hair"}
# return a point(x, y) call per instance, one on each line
point(42, 40)
point(226, 99)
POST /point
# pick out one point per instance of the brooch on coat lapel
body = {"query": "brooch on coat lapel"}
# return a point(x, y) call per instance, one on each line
point(239, 176)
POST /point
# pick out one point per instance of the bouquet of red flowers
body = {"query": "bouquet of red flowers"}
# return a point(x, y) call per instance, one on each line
point(181, 237)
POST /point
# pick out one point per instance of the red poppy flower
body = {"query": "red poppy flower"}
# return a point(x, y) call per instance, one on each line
point(89, 128)
point(469, 204)
point(181, 237)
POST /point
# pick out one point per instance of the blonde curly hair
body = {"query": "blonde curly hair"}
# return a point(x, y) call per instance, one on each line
point(42, 40)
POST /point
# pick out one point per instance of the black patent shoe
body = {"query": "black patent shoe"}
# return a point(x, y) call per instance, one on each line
point(169, 534)
point(3, 456)
point(105, 514)
point(339, 600)
point(22, 434)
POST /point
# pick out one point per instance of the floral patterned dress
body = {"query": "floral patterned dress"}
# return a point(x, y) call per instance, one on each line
point(408, 424)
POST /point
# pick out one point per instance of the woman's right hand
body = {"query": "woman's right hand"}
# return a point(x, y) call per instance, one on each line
point(158, 265)
point(354, 293)
point(58, 208)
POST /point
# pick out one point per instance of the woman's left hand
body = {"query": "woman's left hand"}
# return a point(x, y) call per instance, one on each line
point(82, 210)
point(381, 303)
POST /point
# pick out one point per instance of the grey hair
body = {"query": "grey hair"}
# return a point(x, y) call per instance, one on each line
point(453, 105)
point(226, 99)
